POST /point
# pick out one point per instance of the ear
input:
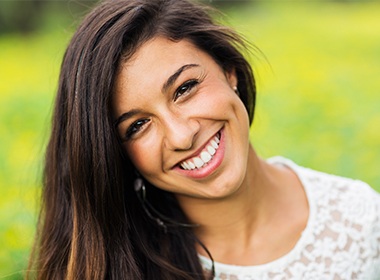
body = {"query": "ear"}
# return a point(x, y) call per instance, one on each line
point(232, 78)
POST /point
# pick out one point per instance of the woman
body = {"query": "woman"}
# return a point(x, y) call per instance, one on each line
point(150, 174)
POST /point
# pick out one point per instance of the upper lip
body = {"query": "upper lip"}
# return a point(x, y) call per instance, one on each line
point(198, 151)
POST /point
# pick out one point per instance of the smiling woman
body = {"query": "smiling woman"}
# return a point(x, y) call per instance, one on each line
point(150, 174)
point(176, 116)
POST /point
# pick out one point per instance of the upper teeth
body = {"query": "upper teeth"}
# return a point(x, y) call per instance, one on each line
point(204, 157)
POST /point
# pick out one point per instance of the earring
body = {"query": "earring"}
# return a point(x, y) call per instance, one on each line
point(140, 187)
point(236, 90)
point(160, 219)
point(141, 194)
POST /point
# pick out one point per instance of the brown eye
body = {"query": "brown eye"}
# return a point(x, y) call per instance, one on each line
point(135, 127)
point(185, 88)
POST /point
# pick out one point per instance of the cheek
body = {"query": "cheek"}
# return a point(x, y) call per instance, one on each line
point(225, 105)
point(213, 102)
point(146, 160)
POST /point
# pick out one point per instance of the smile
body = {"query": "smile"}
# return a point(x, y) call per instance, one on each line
point(204, 156)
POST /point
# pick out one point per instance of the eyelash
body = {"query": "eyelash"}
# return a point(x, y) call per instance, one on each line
point(135, 127)
point(185, 88)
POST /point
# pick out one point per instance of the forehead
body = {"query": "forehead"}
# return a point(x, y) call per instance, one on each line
point(160, 51)
point(155, 61)
point(161, 47)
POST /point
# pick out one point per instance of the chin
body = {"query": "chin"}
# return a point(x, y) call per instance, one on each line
point(226, 188)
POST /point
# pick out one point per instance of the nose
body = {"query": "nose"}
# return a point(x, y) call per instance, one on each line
point(180, 132)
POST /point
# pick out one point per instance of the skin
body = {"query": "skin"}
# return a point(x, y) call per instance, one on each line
point(175, 98)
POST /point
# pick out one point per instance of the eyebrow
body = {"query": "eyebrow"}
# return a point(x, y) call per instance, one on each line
point(175, 76)
point(170, 81)
point(125, 116)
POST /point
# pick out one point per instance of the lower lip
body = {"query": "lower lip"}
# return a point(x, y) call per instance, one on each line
point(211, 166)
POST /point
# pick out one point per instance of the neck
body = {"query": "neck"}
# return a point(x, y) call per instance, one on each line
point(239, 212)
point(233, 224)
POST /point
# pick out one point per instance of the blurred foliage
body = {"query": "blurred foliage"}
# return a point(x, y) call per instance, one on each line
point(27, 16)
point(28, 73)
point(318, 99)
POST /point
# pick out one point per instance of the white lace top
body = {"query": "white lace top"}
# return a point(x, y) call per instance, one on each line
point(341, 239)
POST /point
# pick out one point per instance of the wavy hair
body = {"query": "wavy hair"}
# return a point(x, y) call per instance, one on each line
point(91, 224)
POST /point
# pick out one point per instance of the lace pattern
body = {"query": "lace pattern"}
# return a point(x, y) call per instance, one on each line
point(341, 239)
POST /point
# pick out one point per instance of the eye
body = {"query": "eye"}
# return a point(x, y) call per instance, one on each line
point(185, 88)
point(135, 127)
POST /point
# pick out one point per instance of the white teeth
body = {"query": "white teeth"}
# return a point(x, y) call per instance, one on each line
point(191, 165)
point(185, 166)
point(214, 144)
point(211, 150)
point(205, 156)
point(198, 162)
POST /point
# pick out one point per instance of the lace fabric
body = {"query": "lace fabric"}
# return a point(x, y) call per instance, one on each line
point(341, 239)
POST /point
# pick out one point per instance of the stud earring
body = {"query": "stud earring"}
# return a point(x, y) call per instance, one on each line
point(236, 90)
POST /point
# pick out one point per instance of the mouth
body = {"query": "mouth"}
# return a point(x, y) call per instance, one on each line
point(204, 157)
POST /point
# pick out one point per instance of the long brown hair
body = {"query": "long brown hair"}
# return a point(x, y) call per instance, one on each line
point(92, 225)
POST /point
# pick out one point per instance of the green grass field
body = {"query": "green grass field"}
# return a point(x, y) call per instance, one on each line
point(318, 102)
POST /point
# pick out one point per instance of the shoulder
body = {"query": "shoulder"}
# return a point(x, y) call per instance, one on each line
point(352, 197)
point(344, 220)
point(355, 200)
point(343, 211)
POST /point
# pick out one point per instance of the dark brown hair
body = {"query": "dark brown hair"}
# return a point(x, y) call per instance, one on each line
point(91, 224)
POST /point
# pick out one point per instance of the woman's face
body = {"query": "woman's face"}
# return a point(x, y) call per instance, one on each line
point(181, 123)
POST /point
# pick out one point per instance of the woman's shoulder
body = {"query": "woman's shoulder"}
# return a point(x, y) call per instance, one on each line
point(344, 219)
point(351, 201)
point(330, 185)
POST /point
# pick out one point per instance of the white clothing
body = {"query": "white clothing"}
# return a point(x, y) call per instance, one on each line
point(341, 239)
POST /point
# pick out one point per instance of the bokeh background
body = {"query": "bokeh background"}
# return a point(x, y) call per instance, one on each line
point(318, 94)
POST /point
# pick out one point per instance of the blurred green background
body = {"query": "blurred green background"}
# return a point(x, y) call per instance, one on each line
point(318, 94)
